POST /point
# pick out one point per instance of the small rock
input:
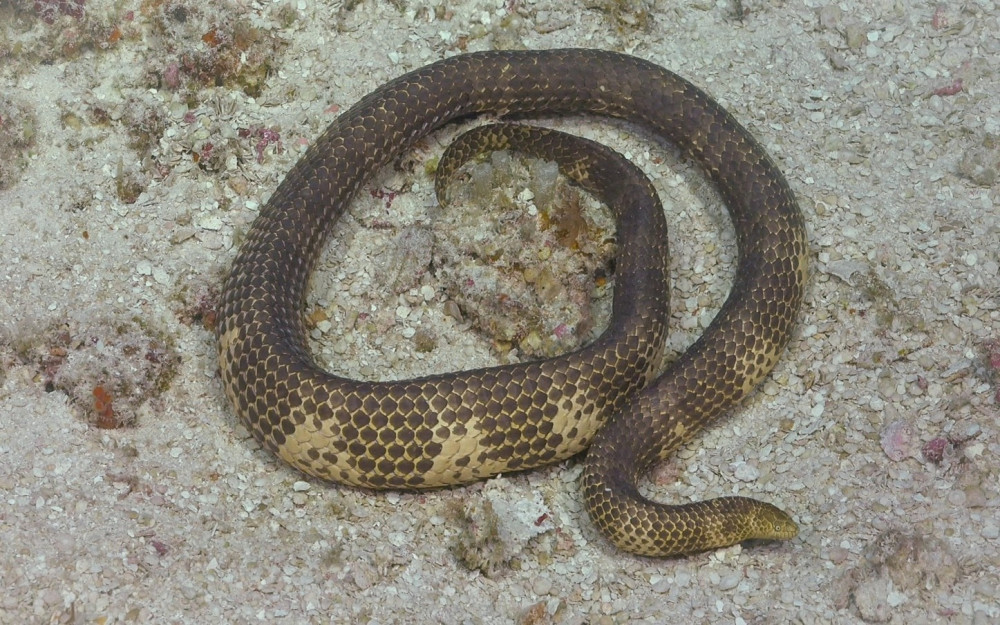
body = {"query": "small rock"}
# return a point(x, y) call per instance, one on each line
point(542, 586)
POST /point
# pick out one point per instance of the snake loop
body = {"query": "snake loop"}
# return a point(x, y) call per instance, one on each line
point(459, 427)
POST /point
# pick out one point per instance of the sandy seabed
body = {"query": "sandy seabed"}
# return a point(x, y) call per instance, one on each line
point(137, 142)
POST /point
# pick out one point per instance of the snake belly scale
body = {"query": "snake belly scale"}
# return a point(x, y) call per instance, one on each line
point(459, 427)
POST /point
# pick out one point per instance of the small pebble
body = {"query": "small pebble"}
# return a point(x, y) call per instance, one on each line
point(899, 441)
point(660, 585)
point(990, 531)
point(51, 596)
point(895, 599)
point(729, 581)
point(160, 276)
point(210, 223)
point(975, 497)
point(542, 586)
point(452, 310)
point(746, 473)
point(956, 498)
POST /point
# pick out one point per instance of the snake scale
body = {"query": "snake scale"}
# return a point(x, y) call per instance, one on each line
point(459, 427)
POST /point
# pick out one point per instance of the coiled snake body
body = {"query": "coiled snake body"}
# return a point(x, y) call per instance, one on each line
point(460, 427)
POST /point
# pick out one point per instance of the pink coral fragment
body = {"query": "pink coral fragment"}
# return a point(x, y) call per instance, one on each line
point(899, 440)
point(49, 10)
point(950, 89)
point(935, 449)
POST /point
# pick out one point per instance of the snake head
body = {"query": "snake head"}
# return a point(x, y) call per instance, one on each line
point(768, 522)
